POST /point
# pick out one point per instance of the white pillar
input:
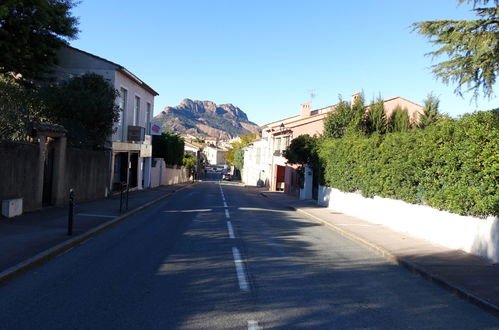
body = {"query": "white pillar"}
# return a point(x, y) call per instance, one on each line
point(306, 191)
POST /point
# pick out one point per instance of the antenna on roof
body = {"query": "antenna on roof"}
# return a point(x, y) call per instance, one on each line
point(312, 93)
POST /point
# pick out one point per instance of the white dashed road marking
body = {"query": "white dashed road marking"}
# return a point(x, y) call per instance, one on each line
point(241, 275)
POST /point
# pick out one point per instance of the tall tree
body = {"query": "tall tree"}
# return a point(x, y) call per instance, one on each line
point(430, 111)
point(85, 106)
point(399, 120)
point(376, 118)
point(345, 119)
point(472, 48)
point(31, 32)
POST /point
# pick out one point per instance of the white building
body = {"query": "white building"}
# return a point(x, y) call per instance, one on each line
point(131, 142)
point(215, 155)
point(257, 164)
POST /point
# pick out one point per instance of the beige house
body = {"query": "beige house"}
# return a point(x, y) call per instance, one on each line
point(277, 135)
point(130, 145)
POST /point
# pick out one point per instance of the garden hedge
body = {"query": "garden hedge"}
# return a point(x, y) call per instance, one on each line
point(452, 165)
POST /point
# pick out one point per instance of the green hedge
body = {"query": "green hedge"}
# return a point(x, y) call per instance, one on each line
point(452, 165)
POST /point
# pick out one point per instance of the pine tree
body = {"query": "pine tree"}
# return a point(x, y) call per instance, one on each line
point(472, 48)
point(376, 119)
point(430, 111)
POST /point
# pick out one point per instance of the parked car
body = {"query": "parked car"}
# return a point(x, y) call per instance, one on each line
point(226, 175)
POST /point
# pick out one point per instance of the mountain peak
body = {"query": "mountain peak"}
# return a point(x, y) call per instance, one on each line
point(205, 118)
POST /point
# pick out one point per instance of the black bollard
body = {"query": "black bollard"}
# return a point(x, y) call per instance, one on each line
point(127, 192)
point(121, 196)
point(71, 211)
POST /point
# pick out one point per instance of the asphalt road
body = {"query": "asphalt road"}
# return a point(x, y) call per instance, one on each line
point(220, 256)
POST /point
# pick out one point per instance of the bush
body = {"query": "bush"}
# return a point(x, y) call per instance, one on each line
point(85, 106)
point(451, 165)
point(170, 147)
point(19, 107)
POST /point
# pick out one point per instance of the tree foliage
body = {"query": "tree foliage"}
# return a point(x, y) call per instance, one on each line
point(399, 120)
point(471, 46)
point(430, 113)
point(31, 32)
point(376, 118)
point(19, 107)
point(85, 106)
point(235, 154)
point(190, 163)
point(345, 119)
point(170, 147)
point(303, 151)
point(451, 165)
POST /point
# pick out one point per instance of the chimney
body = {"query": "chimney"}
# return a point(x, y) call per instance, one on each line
point(355, 97)
point(305, 109)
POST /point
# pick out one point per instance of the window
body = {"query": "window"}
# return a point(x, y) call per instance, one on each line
point(136, 115)
point(122, 105)
point(277, 144)
point(286, 141)
point(148, 115)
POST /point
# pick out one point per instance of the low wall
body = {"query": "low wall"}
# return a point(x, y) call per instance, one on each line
point(87, 172)
point(167, 175)
point(470, 234)
point(19, 173)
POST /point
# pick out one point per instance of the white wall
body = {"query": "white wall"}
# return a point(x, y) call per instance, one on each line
point(163, 175)
point(256, 163)
point(470, 234)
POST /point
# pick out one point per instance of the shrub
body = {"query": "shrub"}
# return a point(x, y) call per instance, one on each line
point(452, 165)
point(170, 147)
point(85, 106)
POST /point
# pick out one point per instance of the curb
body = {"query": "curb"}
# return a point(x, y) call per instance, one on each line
point(44, 256)
point(412, 267)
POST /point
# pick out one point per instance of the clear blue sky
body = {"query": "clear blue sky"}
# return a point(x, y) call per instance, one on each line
point(266, 55)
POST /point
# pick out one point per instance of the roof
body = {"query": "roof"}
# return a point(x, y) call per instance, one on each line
point(298, 118)
point(121, 69)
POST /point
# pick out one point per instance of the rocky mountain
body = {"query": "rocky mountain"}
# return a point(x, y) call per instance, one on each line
point(206, 119)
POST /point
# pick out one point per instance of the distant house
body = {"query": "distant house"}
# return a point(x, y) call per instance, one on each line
point(131, 143)
point(277, 135)
point(215, 155)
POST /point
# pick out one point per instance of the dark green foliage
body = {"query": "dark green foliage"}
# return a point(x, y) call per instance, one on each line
point(376, 119)
point(430, 113)
point(85, 106)
point(345, 119)
point(31, 32)
point(19, 107)
point(472, 48)
point(452, 165)
point(170, 147)
point(239, 158)
point(399, 120)
point(303, 150)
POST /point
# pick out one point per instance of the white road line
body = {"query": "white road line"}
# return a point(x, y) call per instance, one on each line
point(95, 215)
point(225, 204)
point(227, 214)
point(253, 325)
point(241, 276)
point(231, 231)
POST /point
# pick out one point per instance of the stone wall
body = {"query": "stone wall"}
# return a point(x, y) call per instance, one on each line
point(22, 175)
point(87, 172)
point(18, 173)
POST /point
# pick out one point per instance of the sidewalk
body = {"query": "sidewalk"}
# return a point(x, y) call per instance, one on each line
point(466, 275)
point(33, 238)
